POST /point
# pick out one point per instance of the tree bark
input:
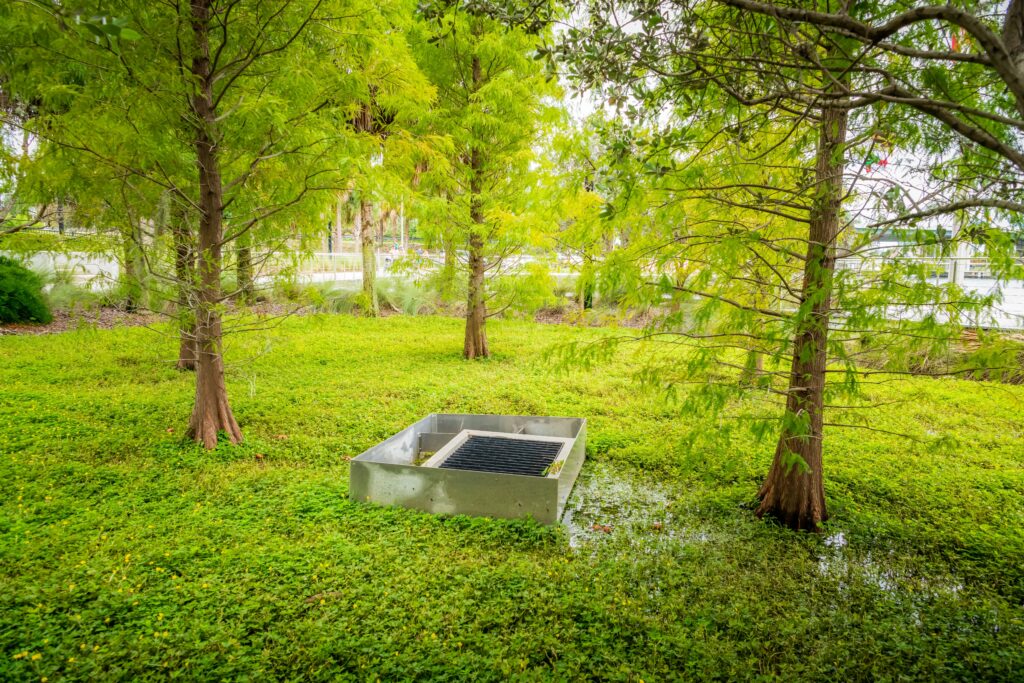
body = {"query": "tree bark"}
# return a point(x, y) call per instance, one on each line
point(184, 271)
point(794, 491)
point(476, 310)
point(1013, 32)
point(211, 414)
point(476, 306)
point(370, 305)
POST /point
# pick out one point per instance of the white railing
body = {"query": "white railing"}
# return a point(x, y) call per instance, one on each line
point(942, 268)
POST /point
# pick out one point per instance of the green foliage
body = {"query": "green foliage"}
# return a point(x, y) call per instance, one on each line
point(128, 553)
point(21, 294)
point(709, 171)
point(408, 297)
point(31, 242)
point(64, 294)
point(494, 106)
point(331, 298)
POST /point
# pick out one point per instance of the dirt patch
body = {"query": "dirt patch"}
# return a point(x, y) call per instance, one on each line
point(595, 318)
point(100, 318)
point(106, 318)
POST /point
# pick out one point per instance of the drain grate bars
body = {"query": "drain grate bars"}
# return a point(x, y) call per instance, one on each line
point(506, 456)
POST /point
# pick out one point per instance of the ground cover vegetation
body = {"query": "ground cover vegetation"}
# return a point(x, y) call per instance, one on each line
point(130, 553)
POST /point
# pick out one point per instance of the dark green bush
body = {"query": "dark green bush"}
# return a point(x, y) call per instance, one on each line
point(21, 294)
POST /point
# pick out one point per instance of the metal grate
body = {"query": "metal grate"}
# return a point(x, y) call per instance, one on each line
point(507, 456)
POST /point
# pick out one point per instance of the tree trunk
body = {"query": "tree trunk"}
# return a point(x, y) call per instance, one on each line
point(586, 283)
point(448, 270)
point(370, 305)
point(243, 270)
point(212, 412)
point(184, 271)
point(401, 228)
point(336, 231)
point(1013, 31)
point(794, 491)
point(476, 305)
point(132, 268)
point(476, 309)
point(753, 368)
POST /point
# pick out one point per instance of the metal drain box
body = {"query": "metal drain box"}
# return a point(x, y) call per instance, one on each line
point(486, 465)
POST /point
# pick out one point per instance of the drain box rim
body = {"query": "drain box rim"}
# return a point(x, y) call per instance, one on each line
point(462, 437)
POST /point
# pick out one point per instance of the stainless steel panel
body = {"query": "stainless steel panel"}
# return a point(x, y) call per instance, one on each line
point(385, 473)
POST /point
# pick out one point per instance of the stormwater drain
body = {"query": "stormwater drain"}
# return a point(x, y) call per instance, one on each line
point(499, 454)
point(490, 465)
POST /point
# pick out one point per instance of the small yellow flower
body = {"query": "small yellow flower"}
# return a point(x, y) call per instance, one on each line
point(21, 655)
point(36, 657)
point(71, 660)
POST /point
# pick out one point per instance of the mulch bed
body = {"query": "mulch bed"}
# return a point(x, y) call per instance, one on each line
point(106, 318)
point(100, 318)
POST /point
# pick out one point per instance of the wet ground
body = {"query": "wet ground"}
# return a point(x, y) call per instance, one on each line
point(605, 503)
point(616, 511)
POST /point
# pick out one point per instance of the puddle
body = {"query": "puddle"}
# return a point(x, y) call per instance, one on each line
point(836, 540)
point(840, 562)
point(607, 505)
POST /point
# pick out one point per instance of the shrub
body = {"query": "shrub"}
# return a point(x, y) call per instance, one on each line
point(21, 294)
point(408, 297)
point(68, 296)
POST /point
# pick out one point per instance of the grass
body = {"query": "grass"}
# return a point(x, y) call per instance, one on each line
point(128, 554)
